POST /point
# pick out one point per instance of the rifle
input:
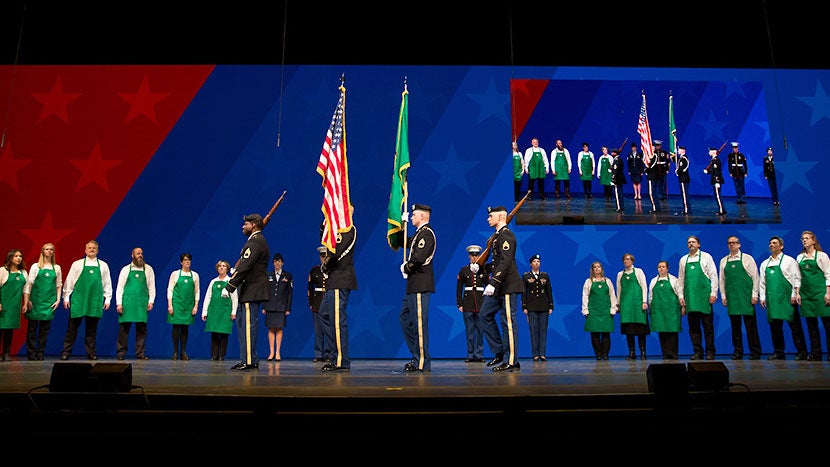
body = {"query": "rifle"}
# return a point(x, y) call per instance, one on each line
point(265, 221)
point(619, 151)
point(482, 258)
point(721, 147)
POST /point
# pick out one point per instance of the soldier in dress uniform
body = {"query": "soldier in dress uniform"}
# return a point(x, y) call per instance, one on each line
point(656, 175)
point(682, 171)
point(664, 163)
point(738, 170)
point(537, 305)
point(769, 174)
point(469, 295)
point(636, 168)
point(316, 291)
point(715, 171)
point(618, 180)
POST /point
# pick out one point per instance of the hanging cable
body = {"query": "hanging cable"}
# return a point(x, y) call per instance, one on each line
point(11, 81)
point(512, 71)
point(774, 73)
point(282, 70)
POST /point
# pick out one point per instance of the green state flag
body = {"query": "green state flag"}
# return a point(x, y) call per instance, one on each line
point(672, 128)
point(398, 193)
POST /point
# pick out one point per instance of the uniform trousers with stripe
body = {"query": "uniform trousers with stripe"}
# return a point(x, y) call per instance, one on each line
point(505, 305)
point(335, 326)
point(415, 326)
point(247, 325)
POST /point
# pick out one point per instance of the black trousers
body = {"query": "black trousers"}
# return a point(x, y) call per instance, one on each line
point(124, 338)
point(601, 342)
point(698, 320)
point(815, 335)
point(540, 184)
point(668, 344)
point(37, 330)
point(180, 333)
point(752, 338)
point(90, 337)
point(776, 329)
point(218, 345)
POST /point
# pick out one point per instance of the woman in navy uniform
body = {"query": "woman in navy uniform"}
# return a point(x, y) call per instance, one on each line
point(278, 306)
point(469, 295)
point(636, 168)
point(537, 305)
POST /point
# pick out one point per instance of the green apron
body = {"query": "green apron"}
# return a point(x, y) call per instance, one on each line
point(536, 166)
point(560, 165)
point(599, 317)
point(88, 294)
point(219, 310)
point(43, 295)
point(517, 166)
point(693, 289)
point(136, 298)
point(665, 307)
point(11, 296)
point(631, 300)
point(587, 166)
point(184, 299)
point(604, 171)
point(738, 288)
point(778, 293)
point(813, 288)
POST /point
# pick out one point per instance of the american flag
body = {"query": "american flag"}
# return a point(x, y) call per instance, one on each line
point(644, 130)
point(334, 169)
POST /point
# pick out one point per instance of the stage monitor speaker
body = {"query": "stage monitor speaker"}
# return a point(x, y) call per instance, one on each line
point(573, 220)
point(708, 376)
point(111, 377)
point(667, 379)
point(70, 377)
point(86, 377)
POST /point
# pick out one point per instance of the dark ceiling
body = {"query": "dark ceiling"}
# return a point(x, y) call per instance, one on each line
point(745, 34)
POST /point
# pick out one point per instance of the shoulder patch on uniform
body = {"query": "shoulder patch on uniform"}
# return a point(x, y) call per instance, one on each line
point(421, 243)
point(247, 253)
point(505, 246)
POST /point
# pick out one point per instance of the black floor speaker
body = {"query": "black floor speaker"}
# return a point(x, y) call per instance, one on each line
point(86, 377)
point(667, 378)
point(708, 376)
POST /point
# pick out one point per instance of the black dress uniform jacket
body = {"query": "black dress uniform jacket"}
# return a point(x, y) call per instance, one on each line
point(419, 265)
point(682, 169)
point(316, 281)
point(281, 293)
point(715, 170)
point(469, 290)
point(538, 294)
point(504, 275)
point(737, 165)
point(251, 275)
point(340, 265)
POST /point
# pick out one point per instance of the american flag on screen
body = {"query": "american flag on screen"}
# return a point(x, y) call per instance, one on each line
point(644, 130)
point(334, 169)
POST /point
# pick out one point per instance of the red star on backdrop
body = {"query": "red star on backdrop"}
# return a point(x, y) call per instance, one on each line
point(45, 233)
point(10, 166)
point(94, 169)
point(55, 102)
point(142, 102)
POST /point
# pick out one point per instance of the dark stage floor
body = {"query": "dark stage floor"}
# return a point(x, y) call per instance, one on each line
point(377, 400)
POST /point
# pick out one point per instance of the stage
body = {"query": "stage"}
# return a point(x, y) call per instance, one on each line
point(377, 400)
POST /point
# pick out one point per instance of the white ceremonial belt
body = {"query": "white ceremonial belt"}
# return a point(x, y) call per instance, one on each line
point(319, 289)
point(480, 289)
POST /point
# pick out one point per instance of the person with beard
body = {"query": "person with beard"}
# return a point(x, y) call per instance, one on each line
point(135, 293)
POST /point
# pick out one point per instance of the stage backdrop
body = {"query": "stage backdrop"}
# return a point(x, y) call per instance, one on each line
point(169, 158)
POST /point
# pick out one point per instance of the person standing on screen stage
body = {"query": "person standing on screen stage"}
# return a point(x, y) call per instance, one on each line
point(738, 170)
point(698, 277)
point(13, 277)
point(87, 292)
point(315, 293)
point(183, 295)
point(42, 294)
point(501, 294)
point(636, 169)
point(469, 295)
point(656, 178)
point(338, 271)
point(251, 280)
point(814, 295)
point(779, 287)
point(618, 180)
point(537, 305)
point(560, 166)
point(665, 309)
point(604, 173)
point(586, 166)
point(663, 160)
point(134, 297)
point(219, 312)
point(715, 171)
point(519, 170)
point(632, 301)
point(738, 275)
point(420, 285)
point(769, 174)
point(682, 172)
point(278, 307)
point(536, 165)
point(599, 305)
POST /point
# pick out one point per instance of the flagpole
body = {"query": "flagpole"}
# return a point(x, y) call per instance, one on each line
point(405, 190)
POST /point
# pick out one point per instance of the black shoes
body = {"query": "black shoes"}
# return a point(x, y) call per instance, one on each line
point(119, 357)
point(710, 356)
point(696, 356)
point(755, 357)
point(142, 357)
point(631, 356)
point(175, 356)
point(319, 359)
point(737, 356)
point(814, 357)
point(801, 356)
point(411, 367)
point(496, 360)
point(185, 357)
point(777, 356)
point(332, 367)
point(720, 213)
point(92, 357)
point(65, 356)
point(506, 367)
point(536, 359)
point(473, 360)
point(242, 366)
point(543, 358)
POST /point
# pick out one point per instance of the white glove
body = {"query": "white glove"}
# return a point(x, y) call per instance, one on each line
point(232, 271)
point(705, 171)
point(489, 290)
point(474, 268)
point(225, 293)
point(325, 276)
point(717, 185)
point(405, 275)
point(584, 312)
point(405, 216)
point(613, 312)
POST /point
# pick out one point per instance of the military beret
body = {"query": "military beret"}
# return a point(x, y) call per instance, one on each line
point(496, 209)
point(536, 256)
point(681, 147)
point(322, 250)
point(713, 149)
point(657, 142)
point(252, 218)
point(421, 207)
point(633, 145)
point(614, 151)
point(277, 257)
point(734, 144)
point(769, 149)
point(473, 249)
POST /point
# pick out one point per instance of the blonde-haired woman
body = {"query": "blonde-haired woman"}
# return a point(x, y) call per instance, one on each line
point(41, 296)
point(599, 305)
